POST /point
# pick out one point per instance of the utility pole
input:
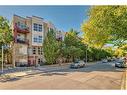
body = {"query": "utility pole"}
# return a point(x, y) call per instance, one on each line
point(86, 54)
point(2, 58)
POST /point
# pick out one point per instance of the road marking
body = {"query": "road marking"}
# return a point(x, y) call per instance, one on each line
point(118, 69)
point(124, 81)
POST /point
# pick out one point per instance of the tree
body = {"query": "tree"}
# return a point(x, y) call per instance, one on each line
point(5, 37)
point(71, 38)
point(121, 51)
point(105, 23)
point(72, 49)
point(5, 31)
point(51, 47)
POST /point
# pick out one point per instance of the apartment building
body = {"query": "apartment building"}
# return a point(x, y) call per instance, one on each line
point(60, 35)
point(29, 34)
point(21, 42)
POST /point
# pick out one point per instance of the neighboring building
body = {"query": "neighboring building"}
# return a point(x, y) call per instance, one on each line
point(60, 35)
point(20, 31)
point(35, 55)
point(48, 26)
point(29, 34)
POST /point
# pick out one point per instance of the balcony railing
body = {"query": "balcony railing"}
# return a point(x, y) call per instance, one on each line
point(23, 41)
point(20, 29)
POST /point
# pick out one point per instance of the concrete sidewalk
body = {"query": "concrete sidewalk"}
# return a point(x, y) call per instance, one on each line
point(24, 71)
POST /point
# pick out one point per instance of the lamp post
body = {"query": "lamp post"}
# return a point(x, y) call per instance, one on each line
point(2, 66)
point(86, 54)
point(3, 47)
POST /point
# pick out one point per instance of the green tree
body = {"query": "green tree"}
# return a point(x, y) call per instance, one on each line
point(5, 37)
point(5, 31)
point(105, 23)
point(72, 48)
point(121, 51)
point(51, 47)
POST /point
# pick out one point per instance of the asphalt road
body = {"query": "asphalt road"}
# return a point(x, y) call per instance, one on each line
point(93, 76)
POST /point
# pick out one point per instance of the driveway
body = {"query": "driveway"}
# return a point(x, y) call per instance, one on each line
point(93, 76)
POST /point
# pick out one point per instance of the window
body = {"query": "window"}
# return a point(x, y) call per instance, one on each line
point(39, 50)
point(18, 23)
point(39, 61)
point(40, 39)
point(21, 25)
point(35, 39)
point(34, 50)
point(37, 27)
point(40, 28)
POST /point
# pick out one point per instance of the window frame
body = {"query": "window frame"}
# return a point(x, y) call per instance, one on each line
point(34, 50)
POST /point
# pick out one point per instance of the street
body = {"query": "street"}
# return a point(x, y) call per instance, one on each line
point(93, 76)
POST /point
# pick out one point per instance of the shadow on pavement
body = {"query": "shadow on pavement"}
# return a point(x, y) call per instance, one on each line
point(53, 73)
point(104, 67)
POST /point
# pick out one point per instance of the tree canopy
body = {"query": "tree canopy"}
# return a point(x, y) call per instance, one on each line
point(51, 47)
point(73, 44)
point(105, 23)
point(5, 31)
point(5, 36)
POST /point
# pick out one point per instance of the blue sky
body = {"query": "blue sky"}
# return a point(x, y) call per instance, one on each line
point(63, 17)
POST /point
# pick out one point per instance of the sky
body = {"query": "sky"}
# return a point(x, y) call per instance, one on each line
point(63, 17)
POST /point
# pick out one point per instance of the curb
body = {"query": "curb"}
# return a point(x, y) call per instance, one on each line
point(124, 81)
point(26, 73)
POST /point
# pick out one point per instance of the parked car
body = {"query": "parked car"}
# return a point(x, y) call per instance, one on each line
point(109, 59)
point(104, 61)
point(121, 64)
point(78, 64)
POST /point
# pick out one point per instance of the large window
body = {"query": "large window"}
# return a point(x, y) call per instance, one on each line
point(35, 39)
point(38, 39)
point(37, 27)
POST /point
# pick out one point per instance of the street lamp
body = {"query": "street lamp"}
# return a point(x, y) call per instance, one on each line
point(2, 66)
point(86, 53)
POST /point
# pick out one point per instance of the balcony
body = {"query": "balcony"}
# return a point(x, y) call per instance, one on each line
point(21, 29)
point(22, 41)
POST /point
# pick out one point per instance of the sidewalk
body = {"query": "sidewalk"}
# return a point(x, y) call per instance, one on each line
point(16, 69)
point(24, 71)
